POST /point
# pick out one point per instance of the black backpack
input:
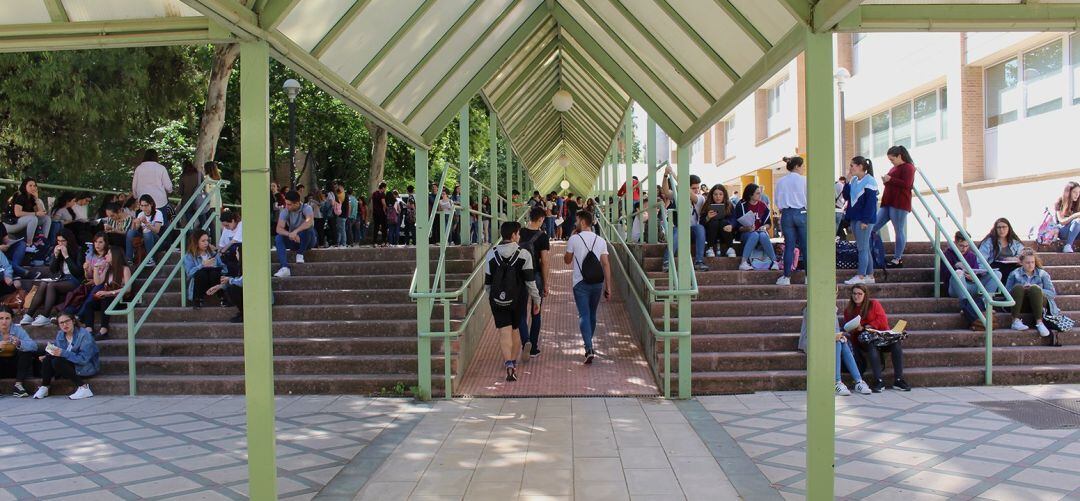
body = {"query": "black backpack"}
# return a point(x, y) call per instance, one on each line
point(530, 245)
point(505, 280)
point(592, 272)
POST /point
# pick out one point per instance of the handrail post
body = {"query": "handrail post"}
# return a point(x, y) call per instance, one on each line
point(131, 351)
point(937, 258)
point(183, 273)
point(989, 323)
point(423, 312)
point(685, 270)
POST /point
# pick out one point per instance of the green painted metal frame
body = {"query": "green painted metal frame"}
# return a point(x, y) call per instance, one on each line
point(273, 12)
point(335, 32)
point(650, 182)
point(744, 24)
point(1029, 16)
point(57, 12)
point(827, 13)
point(394, 39)
point(111, 34)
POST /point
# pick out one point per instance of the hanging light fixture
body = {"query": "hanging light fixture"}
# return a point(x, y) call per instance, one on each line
point(565, 184)
point(562, 101)
point(564, 161)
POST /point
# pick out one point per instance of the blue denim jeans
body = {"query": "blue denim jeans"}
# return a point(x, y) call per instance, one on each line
point(697, 237)
point(149, 238)
point(587, 299)
point(342, 238)
point(955, 290)
point(307, 241)
point(866, 252)
point(752, 239)
point(529, 324)
point(793, 224)
point(15, 254)
point(1070, 231)
point(843, 353)
point(899, 221)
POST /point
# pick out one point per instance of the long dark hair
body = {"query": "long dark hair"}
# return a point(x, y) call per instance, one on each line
point(193, 241)
point(72, 245)
point(63, 200)
point(104, 237)
point(116, 266)
point(150, 200)
point(1066, 201)
point(727, 199)
point(993, 236)
point(748, 193)
point(865, 163)
point(853, 309)
point(902, 152)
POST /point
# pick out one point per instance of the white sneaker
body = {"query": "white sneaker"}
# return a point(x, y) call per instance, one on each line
point(150, 262)
point(81, 393)
point(1041, 327)
point(783, 280)
point(869, 279)
point(42, 392)
point(1067, 249)
point(41, 321)
point(283, 272)
point(31, 249)
point(26, 320)
point(731, 252)
point(854, 280)
point(842, 389)
point(1018, 325)
point(863, 388)
point(775, 266)
point(709, 253)
point(745, 266)
point(299, 258)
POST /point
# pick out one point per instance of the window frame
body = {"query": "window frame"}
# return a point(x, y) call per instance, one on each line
point(1070, 95)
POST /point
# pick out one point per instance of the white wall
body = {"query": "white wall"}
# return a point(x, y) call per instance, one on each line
point(893, 66)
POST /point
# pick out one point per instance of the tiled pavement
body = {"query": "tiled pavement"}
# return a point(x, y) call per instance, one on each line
point(620, 369)
point(927, 444)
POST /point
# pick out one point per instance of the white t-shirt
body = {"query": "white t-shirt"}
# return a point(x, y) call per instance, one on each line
point(151, 221)
point(229, 237)
point(579, 245)
point(791, 192)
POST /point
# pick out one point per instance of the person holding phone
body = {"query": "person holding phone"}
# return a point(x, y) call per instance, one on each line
point(719, 223)
point(73, 355)
point(588, 252)
point(21, 363)
point(203, 266)
point(1002, 248)
point(1033, 292)
point(109, 281)
point(68, 274)
point(147, 224)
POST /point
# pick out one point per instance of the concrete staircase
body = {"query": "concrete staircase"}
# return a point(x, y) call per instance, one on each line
point(746, 329)
point(343, 324)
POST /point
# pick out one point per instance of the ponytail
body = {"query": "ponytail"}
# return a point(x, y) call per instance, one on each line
point(902, 152)
point(865, 163)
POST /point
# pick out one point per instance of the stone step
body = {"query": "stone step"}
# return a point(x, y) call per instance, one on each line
point(323, 366)
point(368, 253)
point(370, 268)
point(320, 297)
point(894, 306)
point(282, 329)
point(753, 293)
point(1050, 260)
point(770, 324)
point(900, 275)
point(730, 382)
point(284, 384)
point(913, 357)
point(364, 312)
point(705, 343)
point(386, 345)
point(380, 282)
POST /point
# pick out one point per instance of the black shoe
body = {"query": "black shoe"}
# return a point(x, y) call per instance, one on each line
point(664, 267)
point(701, 266)
point(20, 392)
point(196, 303)
point(877, 386)
point(511, 373)
point(534, 354)
point(101, 334)
point(589, 356)
point(901, 385)
point(238, 319)
point(895, 263)
point(225, 303)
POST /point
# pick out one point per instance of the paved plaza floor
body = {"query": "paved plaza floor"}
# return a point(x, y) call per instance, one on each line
point(927, 444)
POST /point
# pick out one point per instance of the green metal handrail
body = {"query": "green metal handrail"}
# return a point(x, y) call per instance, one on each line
point(76, 189)
point(987, 316)
point(179, 230)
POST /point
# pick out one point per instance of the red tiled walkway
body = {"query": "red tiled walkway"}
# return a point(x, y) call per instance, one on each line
point(620, 368)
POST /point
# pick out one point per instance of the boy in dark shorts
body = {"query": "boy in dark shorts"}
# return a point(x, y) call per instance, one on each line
point(508, 275)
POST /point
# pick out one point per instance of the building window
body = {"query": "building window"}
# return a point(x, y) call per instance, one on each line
point(775, 100)
point(855, 39)
point(697, 150)
point(729, 137)
point(1043, 79)
point(1074, 64)
point(1002, 93)
point(918, 122)
point(943, 105)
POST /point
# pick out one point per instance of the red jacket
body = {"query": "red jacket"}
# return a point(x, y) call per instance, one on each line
point(875, 319)
point(898, 188)
point(637, 190)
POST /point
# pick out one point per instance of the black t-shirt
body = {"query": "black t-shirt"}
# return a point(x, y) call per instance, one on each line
point(27, 202)
point(376, 203)
point(571, 209)
point(541, 244)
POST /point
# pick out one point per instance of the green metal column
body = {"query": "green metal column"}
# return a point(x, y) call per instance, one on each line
point(614, 185)
point(463, 174)
point(424, 306)
point(650, 182)
point(628, 159)
point(493, 181)
point(258, 329)
point(821, 270)
point(602, 192)
point(509, 159)
point(685, 266)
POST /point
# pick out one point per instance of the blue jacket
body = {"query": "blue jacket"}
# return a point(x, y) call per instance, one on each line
point(83, 352)
point(986, 248)
point(5, 265)
point(192, 265)
point(25, 342)
point(862, 195)
point(1040, 279)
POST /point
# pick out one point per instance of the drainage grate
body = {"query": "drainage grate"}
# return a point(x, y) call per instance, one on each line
point(1038, 414)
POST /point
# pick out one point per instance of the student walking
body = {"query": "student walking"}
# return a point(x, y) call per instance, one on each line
point(509, 277)
point(592, 276)
point(534, 240)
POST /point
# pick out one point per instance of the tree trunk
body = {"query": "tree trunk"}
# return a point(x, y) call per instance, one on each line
point(213, 117)
point(378, 156)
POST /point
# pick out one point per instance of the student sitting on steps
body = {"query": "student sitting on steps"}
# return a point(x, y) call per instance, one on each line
point(970, 283)
point(872, 316)
point(1033, 292)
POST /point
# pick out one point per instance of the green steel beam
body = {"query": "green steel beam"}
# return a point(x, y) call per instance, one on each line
point(964, 17)
point(419, 66)
point(654, 77)
point(57, 13)
point(540, 104)
point(520, 87)
point(339, 27)
point(685, 266)
point(393, 41)
point(799, 9)
point(523, 66)
point(493, 169)
point(705, 47)
point(586, 64)
point(258, 325)
point(481, 77)
point(785, 50)
point(628, 162)
point(528, 104)
point(111, 34)
point(424, 306)
point(671, 59)
point(603, 107)
point(464, 176)
point(744, 24)
point(273, 12)
point(827, 13)
point(821, 267)
point(582, 37)
point(650, 161)
point(572, 71)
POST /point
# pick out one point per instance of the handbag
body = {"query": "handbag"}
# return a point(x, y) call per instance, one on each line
point(75, 299)
point(15, 301)
point(29, 299)
point(1059, 322)
point(7, 349)
point(881, 339)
